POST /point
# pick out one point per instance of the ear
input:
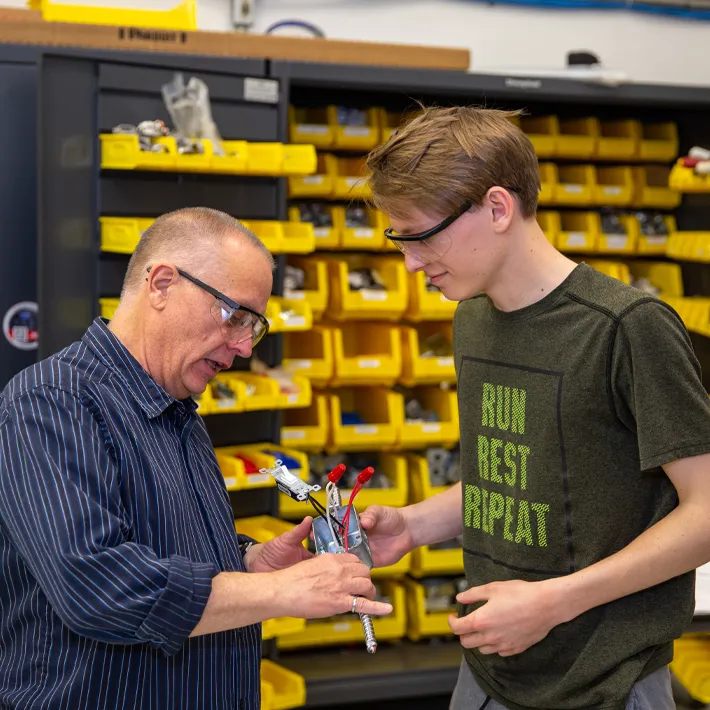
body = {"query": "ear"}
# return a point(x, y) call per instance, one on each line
point(160, 278)
point(503, 207)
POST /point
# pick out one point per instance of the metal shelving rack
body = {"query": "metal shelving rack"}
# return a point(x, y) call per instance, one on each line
point(429, 670)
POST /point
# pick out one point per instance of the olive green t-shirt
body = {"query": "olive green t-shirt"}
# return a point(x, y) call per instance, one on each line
point(568, 409)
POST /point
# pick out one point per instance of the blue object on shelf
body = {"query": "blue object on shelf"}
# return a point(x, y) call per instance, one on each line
point(291, 463)
point(350, 419)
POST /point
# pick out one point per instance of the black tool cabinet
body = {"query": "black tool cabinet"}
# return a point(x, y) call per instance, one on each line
point(52, 193)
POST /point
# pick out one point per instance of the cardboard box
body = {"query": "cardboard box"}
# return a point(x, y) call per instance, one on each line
point(25, 27)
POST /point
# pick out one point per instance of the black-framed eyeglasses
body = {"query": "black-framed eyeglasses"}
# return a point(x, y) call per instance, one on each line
point(239, 323)
point(427, 234)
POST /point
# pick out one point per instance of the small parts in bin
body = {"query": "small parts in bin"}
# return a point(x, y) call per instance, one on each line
point(365, 279)
point(351, 116)
point(294, 279)
point(414, 411)
point(699, 160)
point(316, 213)
point(611, 223)
point(282, 376)
point(440, 593)
point(444, 466)
point(646, 286)
point(652, 224)
point(436, 345)
point(147, 132)
point(223, 393)
point(356, 217)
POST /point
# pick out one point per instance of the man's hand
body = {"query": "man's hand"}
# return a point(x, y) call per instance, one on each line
point(325, 585)
point(281, 552)
point(388, 534)
point(515, 616)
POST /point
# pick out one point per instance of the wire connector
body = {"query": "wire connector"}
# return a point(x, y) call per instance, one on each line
point(289, 484)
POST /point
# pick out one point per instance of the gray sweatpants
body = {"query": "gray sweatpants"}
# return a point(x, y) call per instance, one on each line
point(652, 693)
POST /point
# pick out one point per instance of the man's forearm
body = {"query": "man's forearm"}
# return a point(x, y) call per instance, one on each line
point(436, 519)
point(240, 599)
point(675, 545)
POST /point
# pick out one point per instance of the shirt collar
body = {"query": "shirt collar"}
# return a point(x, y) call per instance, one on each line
point(151, 397)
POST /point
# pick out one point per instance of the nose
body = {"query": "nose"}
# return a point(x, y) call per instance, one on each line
point(242, 349)
point(412, 264)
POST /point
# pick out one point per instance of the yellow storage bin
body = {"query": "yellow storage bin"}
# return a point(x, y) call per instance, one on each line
point(122, 152)
point(310, 125)
point(656, 245)
point(652, 187)
point(543, 132)
point(325, 237)
point(425, 305)
point(285, 689)
point(310, 354)
point(307, 428)
point(120, 235)
point(695, 313)
point(689, 246)
point(315, 285)
point(269, 231)
point(420, 487)
point(225, 405)
point(422, 624)
point(659, 142)
point(420, 368)
point(578, 138)
point(691, 665)
point(366, 354)
point(320, 184)
point(266, 159)
point(368, 238)
point(181, 17)
point(428, 562)
point(619, 140)
point(299, 238)
point(445, 432)
point(395, 571)
point(348, 177)
point(367, 304)
point(288, 315)
point(615, 269)
point(380, 411)
point(620, 243)
point(579, 232)
point(389, 122)
point(684, 179)
point(394, 467)
point(205, 403)
point(361, 138)
point(234, 160)
point(267, 394)
point(234, 470)
point(664, 276)
point(548, 183)
point(347, 629)
point(550, 224)
point(107, 307)
point(614, 186)
point(298, 160)
point(576, 186)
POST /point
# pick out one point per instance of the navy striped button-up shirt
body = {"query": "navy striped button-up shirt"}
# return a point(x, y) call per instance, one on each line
point(114, 519)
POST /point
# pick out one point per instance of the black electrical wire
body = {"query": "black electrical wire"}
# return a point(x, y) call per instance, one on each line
point(313, 29)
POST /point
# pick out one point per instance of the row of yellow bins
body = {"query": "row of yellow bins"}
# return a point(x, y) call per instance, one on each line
point(611, 186)
point(368, 354)
point(122, 152)
point(334, 178)
point(181, 17)
point(581, 232)
point(368, 237)
point(382, 425)
point(327, 290)
point(691, 665)
point(580, 138)
point(689, 246)
point(120, 235)
point(694, 311)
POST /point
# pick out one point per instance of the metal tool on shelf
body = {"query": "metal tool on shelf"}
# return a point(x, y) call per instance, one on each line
point(336, 528)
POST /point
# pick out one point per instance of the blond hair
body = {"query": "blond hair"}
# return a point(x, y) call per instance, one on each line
point(191, 235)
point(444, 157)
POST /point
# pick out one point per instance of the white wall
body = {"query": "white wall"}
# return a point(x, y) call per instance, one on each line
point(647, 48)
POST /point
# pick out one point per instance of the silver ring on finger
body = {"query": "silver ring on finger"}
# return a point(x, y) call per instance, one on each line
point(354, 606)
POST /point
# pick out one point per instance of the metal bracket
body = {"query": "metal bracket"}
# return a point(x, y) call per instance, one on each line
point(243, 14)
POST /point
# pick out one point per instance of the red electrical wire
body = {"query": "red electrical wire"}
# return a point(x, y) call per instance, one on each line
point(362, 478)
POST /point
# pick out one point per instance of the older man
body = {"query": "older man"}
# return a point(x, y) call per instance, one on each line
point(124, 584)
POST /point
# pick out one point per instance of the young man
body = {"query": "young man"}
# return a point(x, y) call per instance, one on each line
point(585, 435)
